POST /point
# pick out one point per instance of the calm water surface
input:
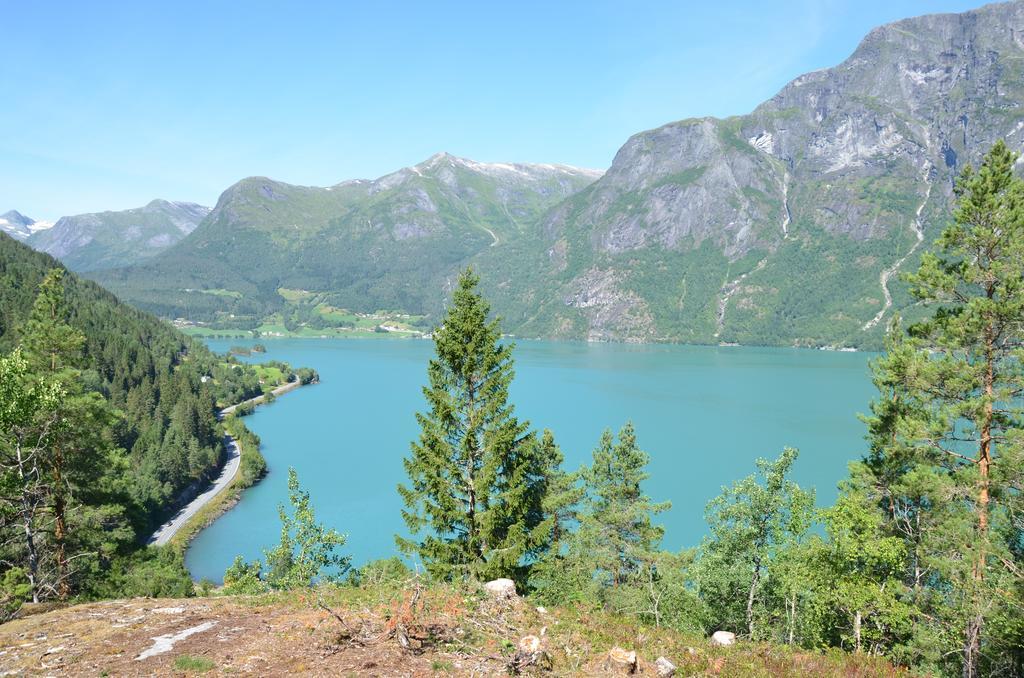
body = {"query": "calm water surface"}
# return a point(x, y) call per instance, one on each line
point(704, 414)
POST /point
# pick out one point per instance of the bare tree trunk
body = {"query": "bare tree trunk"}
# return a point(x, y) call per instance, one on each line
point(972, 647)
point(750, 597)
point(28, 512)
point(917, 554)
point(792, 616)
point(477, 545)
point(655, 596)
point(856, 628)
point(972, 634)
point(60, 530)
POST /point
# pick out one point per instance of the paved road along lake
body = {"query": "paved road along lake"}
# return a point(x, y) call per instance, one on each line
point(704, 414)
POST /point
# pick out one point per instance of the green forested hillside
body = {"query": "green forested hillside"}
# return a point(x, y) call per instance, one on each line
point(147, 370)
point(389, 244)
point(107, 417)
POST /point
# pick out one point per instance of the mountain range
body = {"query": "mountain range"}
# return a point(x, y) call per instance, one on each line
point(391, 243)
point(88, 242)
point(785, 226)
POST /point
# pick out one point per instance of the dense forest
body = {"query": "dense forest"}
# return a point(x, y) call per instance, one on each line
point(108, 416)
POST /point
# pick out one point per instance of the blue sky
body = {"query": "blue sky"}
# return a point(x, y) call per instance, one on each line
point(107, 105)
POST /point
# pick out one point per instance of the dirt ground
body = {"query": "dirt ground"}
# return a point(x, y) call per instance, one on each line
point(112, 638)
point(381, 631)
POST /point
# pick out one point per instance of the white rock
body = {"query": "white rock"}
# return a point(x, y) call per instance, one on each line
point(664, 667)
point(165, 643)
point(529, 644)
point(501, 588)
point(723, 638)
point(620, 661)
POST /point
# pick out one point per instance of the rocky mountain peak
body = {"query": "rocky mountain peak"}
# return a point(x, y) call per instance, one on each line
point(16, 217)
point(19, 226)
point(786, 225)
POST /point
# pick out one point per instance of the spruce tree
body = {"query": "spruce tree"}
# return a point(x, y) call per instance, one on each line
point(50, 344)
point(474, 500)
point(563, 493)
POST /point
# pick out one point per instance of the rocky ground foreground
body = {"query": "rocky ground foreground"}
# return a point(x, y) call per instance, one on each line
point(342, 632)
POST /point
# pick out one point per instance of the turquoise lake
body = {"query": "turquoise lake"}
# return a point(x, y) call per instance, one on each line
point(704, 414)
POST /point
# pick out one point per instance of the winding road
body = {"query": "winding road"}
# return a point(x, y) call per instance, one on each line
point(227, 474)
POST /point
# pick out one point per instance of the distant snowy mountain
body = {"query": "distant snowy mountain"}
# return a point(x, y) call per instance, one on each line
point(20, 227)
point(88, 242)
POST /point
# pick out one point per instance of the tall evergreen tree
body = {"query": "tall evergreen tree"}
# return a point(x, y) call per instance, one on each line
point(50, 344)
point(617, 512)
point(563, 493)
point(613, 557)
point(83, 520)
point(28, 418)
point(946, 435)
point(476, 475)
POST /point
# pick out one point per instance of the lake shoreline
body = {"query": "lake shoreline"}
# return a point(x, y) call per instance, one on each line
point(207, 508)
point(828, 348)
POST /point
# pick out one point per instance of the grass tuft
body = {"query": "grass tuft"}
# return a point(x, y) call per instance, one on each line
point(194, 664)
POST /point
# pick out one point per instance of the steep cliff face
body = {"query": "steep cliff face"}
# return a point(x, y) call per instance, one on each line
point(807, 203)
point(89, 242)
point(682, 184)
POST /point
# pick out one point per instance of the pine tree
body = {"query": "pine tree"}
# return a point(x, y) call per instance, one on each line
point(617, 512)
point(911, 486)
point(476, 482)
point(960, 381)
point(79, 451)
point(28, 417)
